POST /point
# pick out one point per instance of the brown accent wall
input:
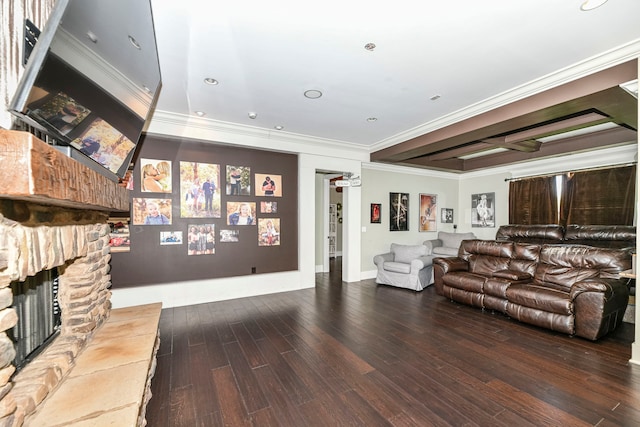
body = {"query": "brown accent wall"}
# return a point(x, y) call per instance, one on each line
point(149, 263)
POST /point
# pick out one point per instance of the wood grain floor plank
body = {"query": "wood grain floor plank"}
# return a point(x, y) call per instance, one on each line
point(364, 354)
point(246, 381)
point(248, 345)
point(232, 406)
point(182, 412)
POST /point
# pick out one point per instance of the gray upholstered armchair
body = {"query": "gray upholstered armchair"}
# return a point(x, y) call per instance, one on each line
point(405, 266)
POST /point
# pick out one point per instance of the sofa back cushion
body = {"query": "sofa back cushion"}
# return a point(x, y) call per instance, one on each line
point(602, 236)
point(551, 233)
point(407, 253)
point(525, 258)
point(486, 256)
point(564, 265)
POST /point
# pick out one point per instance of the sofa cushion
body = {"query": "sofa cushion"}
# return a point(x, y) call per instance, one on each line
point(397, 267)
point(453, 240)
point(407, 253)
point(465, 280)
point(540, 297)
point(512, 275)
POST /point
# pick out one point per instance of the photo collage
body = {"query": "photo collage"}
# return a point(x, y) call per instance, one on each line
point(230, 193)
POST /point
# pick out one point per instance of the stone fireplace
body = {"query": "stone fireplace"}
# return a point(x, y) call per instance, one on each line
point(53, 213)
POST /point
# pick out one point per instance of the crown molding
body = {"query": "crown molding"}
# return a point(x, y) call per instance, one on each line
point(168, 123)
point(607, 59)
point(386, 167)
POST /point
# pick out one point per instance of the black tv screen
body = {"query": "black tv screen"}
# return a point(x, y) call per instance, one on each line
point(92, 80)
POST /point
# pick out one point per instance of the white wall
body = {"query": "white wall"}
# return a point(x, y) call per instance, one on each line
point(380, 180)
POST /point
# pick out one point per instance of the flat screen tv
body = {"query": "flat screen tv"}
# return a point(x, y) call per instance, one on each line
point(92, 80)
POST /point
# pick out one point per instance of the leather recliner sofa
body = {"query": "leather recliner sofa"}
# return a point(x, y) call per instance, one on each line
point(572, 289)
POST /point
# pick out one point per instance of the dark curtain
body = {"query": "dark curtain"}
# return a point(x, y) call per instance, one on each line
point(533, 201)
point(600, 197)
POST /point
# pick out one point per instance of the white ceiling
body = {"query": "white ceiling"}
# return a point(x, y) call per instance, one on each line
point(266, 54)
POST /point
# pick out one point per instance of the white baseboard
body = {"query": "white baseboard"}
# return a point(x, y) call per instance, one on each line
point(371, 274)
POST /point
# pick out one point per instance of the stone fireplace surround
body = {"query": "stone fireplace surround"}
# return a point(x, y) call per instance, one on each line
point(53, 213)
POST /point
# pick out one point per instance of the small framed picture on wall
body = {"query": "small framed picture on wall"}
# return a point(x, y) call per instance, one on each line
point(446, 216)
point(376, 213)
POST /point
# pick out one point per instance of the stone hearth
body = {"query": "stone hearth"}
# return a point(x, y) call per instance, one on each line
point(53, 213)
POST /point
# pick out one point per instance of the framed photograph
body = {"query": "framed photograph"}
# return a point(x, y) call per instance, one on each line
point(446, 216)
point(268, 231)
point(151, 211)
point(199, 190)
point(483, 210)
point(241, 213)
point(268, 207)
point(398, 211)
point(238, 180)
point(269, 185)
point(155, 176)
point(170, 238)
point(227, 236)
point(201, 239)
point(376, 213)
point(428, 212)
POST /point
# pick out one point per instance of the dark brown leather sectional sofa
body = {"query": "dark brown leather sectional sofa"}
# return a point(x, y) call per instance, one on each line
point(569, 288)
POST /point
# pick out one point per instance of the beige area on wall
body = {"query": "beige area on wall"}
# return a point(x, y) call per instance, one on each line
point(376, 186)
point(13, 15)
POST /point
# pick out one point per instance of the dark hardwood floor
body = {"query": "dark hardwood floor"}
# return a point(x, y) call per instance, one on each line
point(361, 354)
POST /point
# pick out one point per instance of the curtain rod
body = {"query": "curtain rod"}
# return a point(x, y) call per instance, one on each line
point(571, 171)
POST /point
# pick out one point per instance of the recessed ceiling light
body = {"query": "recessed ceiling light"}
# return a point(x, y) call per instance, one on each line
point(592, 4)
point(92, 36)
point(200, 113)
point(372, 119)
point(210, 81)
point(313, 94)
point(134, 43)
point(278, 127)
point(253, 115)
point(370, 46)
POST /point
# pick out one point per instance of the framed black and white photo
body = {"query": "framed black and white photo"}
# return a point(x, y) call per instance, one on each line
point(483, 210)
point(446, 216)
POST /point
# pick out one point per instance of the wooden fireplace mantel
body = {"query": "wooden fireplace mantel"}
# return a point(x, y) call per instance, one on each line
point(33, 171)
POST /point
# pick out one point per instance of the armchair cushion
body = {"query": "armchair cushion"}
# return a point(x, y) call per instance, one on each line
point(451, 242)
point(407, 253)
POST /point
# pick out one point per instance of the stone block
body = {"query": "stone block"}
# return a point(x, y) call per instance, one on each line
point(7, 405)
point(8, 319)
point(6, 297)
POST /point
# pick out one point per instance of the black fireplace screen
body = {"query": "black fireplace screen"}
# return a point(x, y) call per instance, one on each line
point(36, 303)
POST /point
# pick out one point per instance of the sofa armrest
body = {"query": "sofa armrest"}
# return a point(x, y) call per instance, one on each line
point(451, 264)
point(430, 244)
point(599, 306)
point(591, 285)
point(379, 260)
point(441, 266)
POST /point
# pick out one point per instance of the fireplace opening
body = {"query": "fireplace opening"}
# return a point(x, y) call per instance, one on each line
point(36, 303)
